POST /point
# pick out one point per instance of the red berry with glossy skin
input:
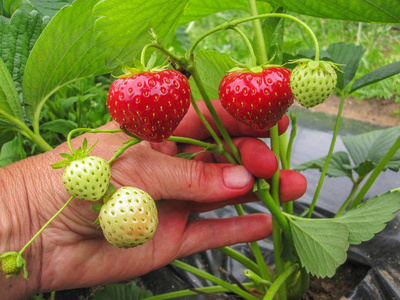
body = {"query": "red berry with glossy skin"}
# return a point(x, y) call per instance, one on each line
point(150, 105)
point(259, 99)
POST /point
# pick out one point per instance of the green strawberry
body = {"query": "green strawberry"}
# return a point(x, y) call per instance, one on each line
point(12, 263)
point(87, 178)
point(129, 218)
point(313, 82)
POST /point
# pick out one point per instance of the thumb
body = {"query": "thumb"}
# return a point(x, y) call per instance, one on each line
point(167, 177)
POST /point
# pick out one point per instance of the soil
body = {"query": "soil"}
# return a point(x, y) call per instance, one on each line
point(384, 113)
point(346, 279)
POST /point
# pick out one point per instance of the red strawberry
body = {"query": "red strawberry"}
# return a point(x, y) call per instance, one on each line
point(150, 105)
point(257, 98)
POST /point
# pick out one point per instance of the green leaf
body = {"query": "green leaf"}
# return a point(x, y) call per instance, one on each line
point(65, 52)
point(367, 149)
point(339, 165)
point(123, 26)
point(11, 152)
point(382, 11)
point(349, 56)
point(50, 7)
point(371, 216)
point(321, 244)
point(59, 126)
point(10, 105)
point(122, 292)
point(376, 75)
point(197, 9)
point(11, 6)
point(17, 38)
point(212, 66)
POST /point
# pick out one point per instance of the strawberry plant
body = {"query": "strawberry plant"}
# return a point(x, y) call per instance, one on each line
point(86, 39)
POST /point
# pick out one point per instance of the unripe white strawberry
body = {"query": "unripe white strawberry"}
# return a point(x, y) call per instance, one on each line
point(129, 218)
point(313, 82)
point(87, 178)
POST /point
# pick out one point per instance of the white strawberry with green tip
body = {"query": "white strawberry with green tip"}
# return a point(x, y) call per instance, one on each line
point(312, 82)
point(129, 218)
point(85, 177)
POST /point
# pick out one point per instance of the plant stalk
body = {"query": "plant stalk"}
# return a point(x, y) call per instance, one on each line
point(328, 157)
point(233, 288)
point(384, 161)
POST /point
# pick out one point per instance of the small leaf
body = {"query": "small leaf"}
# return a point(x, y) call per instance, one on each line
point(197, 9)
point(97, 207)
point(321, 244)
point(367, 149)
point(59, 126)
point(387, 11)
point(64, 53)
point(371, 216)
point(339, 165)
point(122, 292)
point(11, 152)
point(376, 75)
point(348, 56)
point(10, 104)
point(17, 38)
point(124, 36)
point(50, 7)
point(212, 66)
point(186, 155)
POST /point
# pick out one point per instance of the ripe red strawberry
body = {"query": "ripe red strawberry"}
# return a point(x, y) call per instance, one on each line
point(313, 82)
point(259, 98)
point(129, 218)
point(150, 105)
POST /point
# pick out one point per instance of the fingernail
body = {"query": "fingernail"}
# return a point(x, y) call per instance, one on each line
point(236, 177)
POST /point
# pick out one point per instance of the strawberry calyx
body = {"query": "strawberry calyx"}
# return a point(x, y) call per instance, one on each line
point(139, 68)
point(252, 69)
point(79, 153)
point(329, 66)
point(12, 263)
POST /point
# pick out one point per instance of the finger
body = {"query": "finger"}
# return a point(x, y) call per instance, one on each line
point(258, 158)
point(183, 179)
point(206, 234)
point(293, 185)
point(191, 125)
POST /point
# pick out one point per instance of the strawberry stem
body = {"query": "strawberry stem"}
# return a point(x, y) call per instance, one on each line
point(371, 179)
point(249, 46)
point(328, 157)
point(258, 32)
point(233, 288)
point(89, 130)
point(193, 70)
point(279, 282)
point(45, 225)
point(232, 23)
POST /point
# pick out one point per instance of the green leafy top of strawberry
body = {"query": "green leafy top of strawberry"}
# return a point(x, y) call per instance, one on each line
point(79, 153)
point(329, 66)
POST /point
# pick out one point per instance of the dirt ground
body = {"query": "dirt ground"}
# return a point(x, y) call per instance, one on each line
point(383, 112)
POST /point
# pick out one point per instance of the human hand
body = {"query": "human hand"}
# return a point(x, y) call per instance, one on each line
point(72, 252)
